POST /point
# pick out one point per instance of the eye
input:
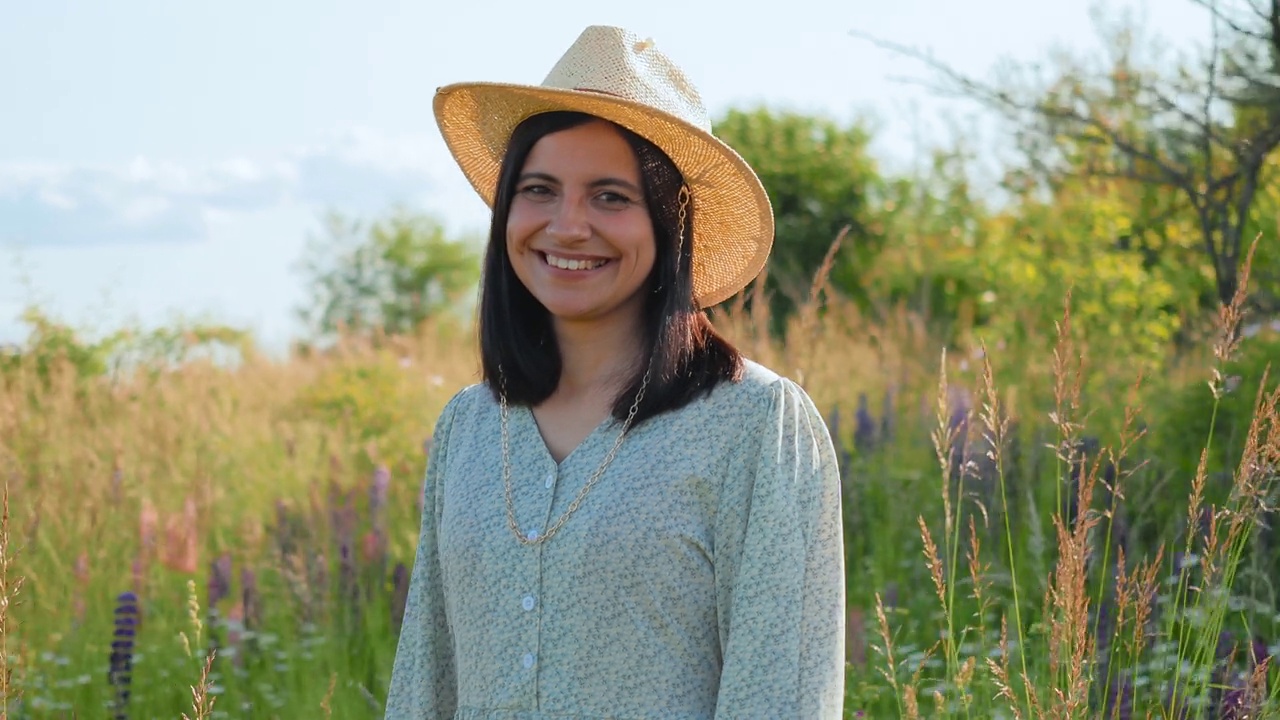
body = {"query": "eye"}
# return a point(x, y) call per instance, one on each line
point(535, 191)
point(614, 200)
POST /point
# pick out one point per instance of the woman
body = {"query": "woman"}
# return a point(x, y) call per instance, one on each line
point(626, 519)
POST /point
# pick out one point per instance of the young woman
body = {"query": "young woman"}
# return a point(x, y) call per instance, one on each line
point(626, 519)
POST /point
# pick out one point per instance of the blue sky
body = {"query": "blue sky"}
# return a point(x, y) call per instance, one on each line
point(162, 160)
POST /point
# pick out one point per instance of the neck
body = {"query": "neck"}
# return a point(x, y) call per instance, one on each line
point(595, 359)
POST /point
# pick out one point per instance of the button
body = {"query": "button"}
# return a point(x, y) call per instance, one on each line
point(527, 603)
point(527, 661)
point(551, 480)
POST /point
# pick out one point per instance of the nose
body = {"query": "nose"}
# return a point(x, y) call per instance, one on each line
point(569, 221)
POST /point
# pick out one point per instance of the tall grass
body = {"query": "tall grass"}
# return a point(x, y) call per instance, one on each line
point(208, 541)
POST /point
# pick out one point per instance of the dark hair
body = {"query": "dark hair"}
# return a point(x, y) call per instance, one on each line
point(687, 357)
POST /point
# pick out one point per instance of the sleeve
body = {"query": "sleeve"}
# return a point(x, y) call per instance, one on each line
point(779, 564)
point(423, 681)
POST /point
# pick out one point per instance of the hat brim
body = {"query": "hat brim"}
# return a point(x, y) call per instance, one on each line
point(733, 221)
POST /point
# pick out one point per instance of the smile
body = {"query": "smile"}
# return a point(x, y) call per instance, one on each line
point(570, 264)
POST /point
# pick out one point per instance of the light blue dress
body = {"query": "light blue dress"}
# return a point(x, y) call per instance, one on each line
point(703, 577)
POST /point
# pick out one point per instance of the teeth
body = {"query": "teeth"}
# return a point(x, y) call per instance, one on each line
point(567, 264)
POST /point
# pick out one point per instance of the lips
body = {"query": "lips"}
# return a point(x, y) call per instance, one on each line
point(573, 264)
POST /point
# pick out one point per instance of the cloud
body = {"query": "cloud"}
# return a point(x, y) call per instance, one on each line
point(147, 200)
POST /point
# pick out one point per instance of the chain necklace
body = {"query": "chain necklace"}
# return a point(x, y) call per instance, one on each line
point(534, 538)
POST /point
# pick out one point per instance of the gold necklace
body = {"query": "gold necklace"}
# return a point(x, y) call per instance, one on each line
point(534, 538)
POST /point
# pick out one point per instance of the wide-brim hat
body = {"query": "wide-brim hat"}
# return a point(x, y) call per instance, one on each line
point(612, 74)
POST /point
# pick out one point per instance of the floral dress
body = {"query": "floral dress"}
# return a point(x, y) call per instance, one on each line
point(702, 577)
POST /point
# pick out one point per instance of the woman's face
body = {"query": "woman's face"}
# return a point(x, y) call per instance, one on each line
point(579, 233)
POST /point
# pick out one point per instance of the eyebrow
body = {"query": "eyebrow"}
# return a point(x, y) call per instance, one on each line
point(601, 182)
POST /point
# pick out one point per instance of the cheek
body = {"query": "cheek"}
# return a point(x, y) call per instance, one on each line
point(521, 223)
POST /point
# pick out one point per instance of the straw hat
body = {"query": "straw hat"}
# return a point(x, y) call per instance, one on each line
point(614, 75)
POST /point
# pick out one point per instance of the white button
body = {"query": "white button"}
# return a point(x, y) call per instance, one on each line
point(528, 660)
point(551, 480)
point(527, 603)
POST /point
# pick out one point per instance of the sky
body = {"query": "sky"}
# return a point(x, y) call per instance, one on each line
point(162, 160)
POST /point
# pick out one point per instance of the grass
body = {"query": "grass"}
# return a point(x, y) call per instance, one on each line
point(207, 541)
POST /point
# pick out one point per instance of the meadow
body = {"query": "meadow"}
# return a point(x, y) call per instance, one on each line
point(1036, 527)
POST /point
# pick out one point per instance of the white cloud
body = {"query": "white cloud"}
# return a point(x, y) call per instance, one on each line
point(360, 172)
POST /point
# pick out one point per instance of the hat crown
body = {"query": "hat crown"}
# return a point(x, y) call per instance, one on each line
point(616, 62)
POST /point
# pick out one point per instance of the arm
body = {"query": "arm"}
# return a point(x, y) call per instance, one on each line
point(780, 577)
point(423, 685)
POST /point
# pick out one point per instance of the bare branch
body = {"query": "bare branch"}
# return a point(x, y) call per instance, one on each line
point(1236, 27)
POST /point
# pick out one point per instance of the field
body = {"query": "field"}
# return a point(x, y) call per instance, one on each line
point(1031, 527)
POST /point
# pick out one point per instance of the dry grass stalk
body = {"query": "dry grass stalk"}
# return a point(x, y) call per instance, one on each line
point(328, 695)
point(201, 699)
point(1000, 671)
point(978, 576)
point(934, 564)
point(912, 688)
point(1229, 319)
point(807, 313)
point(1197, 497)
point(1067, 383)
point(9, 589)
point(1071, 643)
point(891, 674)
point(1141, 593)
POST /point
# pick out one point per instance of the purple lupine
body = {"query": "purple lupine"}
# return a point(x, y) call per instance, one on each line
point(379, 489)
point(864, 426)
point(251, 602)
point(887, 417)
point(399, 595)
point(1259, 651)
point(960, 409)
point(843, 459)
point(1119, 701)
point(219, 580)
point(219, 587)
point(378, 493)
point(1241, 702)
point(120, 672)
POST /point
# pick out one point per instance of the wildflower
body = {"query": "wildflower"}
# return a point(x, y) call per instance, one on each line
point(399, 594)
point(120, 673)
point(864, 426)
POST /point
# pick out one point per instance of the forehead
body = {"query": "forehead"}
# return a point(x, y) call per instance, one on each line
point(594, 149)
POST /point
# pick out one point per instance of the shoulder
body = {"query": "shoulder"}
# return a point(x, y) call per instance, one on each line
point(759, 398)
point(759, 386)
point(465, 405)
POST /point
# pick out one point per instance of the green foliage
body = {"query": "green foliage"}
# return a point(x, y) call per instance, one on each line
point(1182, 420)
point(929, 264)
point(53, 344)
point(820, 177)
point(1030, 261)
point(389, 275)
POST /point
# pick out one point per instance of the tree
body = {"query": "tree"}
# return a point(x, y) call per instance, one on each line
point(389, 275)
point(820, 178)
point(1204, 130)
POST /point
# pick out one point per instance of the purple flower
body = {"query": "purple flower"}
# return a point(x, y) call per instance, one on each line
point(399, 594)
point(864, 426)
point(219, 580)
point(120, 674)
point(378, 491)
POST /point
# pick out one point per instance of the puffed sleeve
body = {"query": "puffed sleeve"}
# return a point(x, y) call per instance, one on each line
point(423, 683)
point(779, 565)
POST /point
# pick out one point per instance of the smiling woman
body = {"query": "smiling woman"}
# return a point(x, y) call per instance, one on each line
point(626, 518)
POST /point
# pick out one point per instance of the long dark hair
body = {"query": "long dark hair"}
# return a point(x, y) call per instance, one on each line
point(687, 357)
